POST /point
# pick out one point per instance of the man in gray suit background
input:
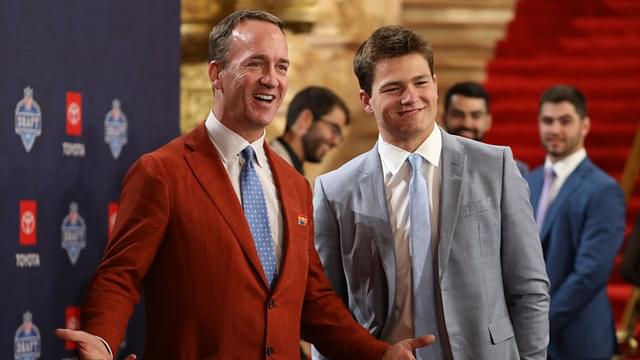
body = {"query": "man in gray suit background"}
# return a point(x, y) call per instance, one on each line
point(450, 248)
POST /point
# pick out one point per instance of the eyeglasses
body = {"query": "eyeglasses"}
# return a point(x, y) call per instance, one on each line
point(335, 128)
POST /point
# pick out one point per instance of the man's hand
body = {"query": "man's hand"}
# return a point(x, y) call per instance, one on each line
point(90, 347)
point(403, 350)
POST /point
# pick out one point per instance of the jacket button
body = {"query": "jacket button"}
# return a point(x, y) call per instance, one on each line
point(271, 304)
point(269, 351)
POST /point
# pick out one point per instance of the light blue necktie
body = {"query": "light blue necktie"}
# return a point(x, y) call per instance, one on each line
point(543, 202)
point(255, 210)
point(424, 308)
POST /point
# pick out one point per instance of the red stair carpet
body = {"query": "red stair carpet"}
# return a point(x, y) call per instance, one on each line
point(591, 44)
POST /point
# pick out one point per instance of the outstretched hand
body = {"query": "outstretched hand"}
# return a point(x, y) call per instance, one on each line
point(90, 347)
point(403, 350)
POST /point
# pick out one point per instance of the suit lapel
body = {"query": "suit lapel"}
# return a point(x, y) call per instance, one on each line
point(453, 163)
point(207, 167)
point(570, 186)
point(371, 181)
point(535, 185)
point(287, 200)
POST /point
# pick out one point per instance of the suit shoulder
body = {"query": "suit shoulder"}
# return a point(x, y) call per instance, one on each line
point(535, 172)
point(284, 169)
point(482, 157)
point(173, 149)
point(345, 175)
point(480, 149)
point(600, 179)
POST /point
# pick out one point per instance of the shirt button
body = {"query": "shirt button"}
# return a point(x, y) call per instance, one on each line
point(271, 304)
point(269, 351)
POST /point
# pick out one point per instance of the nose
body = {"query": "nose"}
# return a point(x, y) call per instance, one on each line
point(336, 139)
point(554, 127)
point(467, 121)
point(408, 96)
point(269, 78)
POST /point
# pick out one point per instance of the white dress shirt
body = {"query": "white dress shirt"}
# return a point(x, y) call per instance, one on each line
point(229, 146)
point(563, 168)
point(397, 174)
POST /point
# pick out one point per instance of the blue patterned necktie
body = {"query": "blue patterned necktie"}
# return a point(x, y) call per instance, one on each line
point(255, 210)
point(424, 309)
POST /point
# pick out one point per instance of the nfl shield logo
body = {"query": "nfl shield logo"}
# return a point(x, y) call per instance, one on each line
point(74, 233)
point(28, 119)
point(115, 129)
point(26, 342)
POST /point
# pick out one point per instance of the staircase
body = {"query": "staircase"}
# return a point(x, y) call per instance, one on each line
point(591, 44)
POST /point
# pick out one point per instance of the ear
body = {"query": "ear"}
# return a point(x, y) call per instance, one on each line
point(489, 122)
point(303, 122)
point(435, 84)
point(214, 69)
point(365, 100)
point(586, 126)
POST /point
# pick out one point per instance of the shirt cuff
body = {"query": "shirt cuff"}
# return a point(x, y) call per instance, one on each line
point(106, 344)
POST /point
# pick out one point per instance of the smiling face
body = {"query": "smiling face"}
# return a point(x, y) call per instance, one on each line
point(467, 117)
point(324, 134)
point(250, 88)
point(403, 100)
point(562, 131)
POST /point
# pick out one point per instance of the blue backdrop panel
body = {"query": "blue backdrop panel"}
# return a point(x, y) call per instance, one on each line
point(86, 87)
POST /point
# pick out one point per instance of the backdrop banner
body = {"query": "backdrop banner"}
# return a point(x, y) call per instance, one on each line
point(86, 87)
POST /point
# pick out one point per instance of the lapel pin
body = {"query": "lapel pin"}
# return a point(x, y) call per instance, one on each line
point(302, 220)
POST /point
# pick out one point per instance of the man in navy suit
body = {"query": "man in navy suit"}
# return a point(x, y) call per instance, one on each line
point(580, 212)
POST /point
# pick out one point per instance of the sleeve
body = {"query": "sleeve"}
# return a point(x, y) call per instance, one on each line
point(140, 225)
point(327, 241)
point(523, 268)
point(599, 242)
point(326, 321)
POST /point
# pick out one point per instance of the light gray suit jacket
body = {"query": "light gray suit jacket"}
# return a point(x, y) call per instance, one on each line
point(493, 283)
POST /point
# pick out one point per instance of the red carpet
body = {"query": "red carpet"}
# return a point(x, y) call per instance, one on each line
point(591, 44)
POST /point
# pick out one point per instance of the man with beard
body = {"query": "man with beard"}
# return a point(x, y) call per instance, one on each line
point(315, 122)
point(580, 212)
point(467, 114)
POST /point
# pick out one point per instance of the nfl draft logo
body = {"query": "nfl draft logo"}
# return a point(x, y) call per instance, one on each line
point(28, 120)
point(26, 343)
point(115, 129)
point(74, 233)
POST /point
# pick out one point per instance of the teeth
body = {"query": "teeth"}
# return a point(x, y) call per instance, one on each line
point(264, 97)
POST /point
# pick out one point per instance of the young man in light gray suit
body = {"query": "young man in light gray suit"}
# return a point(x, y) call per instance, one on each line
point(465, 263)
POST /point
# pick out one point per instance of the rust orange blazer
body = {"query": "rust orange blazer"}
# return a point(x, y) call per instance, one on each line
point(181, 235)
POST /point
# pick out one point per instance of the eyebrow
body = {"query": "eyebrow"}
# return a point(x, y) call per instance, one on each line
point(561, 116)
point(398, 82)
point(265, 58)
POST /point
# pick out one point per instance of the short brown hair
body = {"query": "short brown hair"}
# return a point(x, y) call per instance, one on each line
point(388, 42)
point(219, 43)
point(559, 93)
